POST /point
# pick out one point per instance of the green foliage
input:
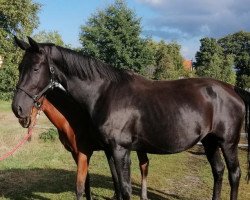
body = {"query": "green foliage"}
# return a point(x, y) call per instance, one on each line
point(113, 35)
point(242, 65)
point(49, 37)
point(235, 43)
point(8, 77)
point(227, 69)
point(49, 135)
point(212, 62)
point(17, 17)
point(238, 45)
point(243, 81)
point(168, 60)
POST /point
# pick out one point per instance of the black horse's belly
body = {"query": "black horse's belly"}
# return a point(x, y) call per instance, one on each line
point(175, 132)
point(165, 145)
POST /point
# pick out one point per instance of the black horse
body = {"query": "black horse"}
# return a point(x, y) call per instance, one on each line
point(133, 113)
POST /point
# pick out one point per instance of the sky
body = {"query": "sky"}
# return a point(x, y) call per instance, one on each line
point(181, 21)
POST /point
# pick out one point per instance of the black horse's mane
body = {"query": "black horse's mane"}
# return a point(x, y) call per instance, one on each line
point(88, 68)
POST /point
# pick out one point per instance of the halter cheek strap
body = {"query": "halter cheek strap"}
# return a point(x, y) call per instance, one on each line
point(53, 83)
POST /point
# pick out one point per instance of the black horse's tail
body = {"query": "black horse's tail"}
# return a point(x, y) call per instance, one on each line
point(245, 95)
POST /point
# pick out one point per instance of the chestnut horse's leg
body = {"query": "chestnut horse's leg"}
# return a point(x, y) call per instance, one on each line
point(87, 182)
point(122, 164)
point(117, 195)
point(143, 164)
point(82, 172)
point(213, 155)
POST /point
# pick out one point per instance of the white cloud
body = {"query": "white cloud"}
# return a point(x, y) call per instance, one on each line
point(193, 17)
point(152, 2)
point(187, 19)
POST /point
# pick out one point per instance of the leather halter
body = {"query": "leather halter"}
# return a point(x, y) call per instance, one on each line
point(52, 84)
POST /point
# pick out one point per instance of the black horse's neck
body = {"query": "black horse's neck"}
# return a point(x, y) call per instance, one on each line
point(83, 76)
point(72, 63)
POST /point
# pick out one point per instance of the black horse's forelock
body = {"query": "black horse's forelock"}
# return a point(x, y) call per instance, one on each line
point(87, 68)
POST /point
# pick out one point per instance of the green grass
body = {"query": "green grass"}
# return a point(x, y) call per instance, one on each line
point(45, 170)
point(4, 106)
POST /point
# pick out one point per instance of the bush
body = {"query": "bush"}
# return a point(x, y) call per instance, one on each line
point(8, 79)
point(49, 135)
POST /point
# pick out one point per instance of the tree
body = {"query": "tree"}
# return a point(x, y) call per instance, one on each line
point(238, 45)
point(113, 35)
point(17, 17)
point(212, 62)
point(49, 37)
point(168, 61)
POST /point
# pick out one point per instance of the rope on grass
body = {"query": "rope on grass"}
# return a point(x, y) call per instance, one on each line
point(10, 153)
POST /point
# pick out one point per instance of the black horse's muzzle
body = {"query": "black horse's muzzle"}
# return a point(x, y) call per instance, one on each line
point(25, 122)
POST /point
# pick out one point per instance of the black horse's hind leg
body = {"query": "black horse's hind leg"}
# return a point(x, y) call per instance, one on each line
point(117, 195)
point(213, 155)
point(230, 152)
point(143, 163)
point(122, 164)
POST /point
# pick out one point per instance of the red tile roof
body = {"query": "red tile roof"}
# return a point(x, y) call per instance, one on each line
point(188, 65)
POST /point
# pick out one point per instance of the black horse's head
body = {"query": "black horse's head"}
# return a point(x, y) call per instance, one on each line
point(34, 78)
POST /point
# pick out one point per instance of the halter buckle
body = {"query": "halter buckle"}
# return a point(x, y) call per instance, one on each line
point(37, 105)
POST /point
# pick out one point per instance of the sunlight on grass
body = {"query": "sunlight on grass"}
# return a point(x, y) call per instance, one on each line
point(5, 106)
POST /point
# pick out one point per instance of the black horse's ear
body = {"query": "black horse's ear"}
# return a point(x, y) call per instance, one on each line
point(34, 45)
point(23, 45)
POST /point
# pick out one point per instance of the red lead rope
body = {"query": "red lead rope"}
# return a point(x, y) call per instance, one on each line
point(8, 154)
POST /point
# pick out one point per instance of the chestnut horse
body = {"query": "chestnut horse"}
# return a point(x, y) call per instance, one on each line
point(71, 122)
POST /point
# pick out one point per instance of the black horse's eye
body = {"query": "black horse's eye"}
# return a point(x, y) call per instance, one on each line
point(36, 69)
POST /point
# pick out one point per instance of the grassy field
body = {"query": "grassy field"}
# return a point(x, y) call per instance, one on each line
point(45, 170)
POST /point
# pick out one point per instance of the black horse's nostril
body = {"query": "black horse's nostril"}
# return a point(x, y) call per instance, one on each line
point(19, 110)
point(16, 109)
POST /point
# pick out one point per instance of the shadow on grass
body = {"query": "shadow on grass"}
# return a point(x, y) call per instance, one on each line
point(197, 150)
point(23, 184)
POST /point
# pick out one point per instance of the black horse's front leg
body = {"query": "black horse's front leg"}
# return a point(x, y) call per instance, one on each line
point(87, 188)
point(122, 164)
point(117, 194)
